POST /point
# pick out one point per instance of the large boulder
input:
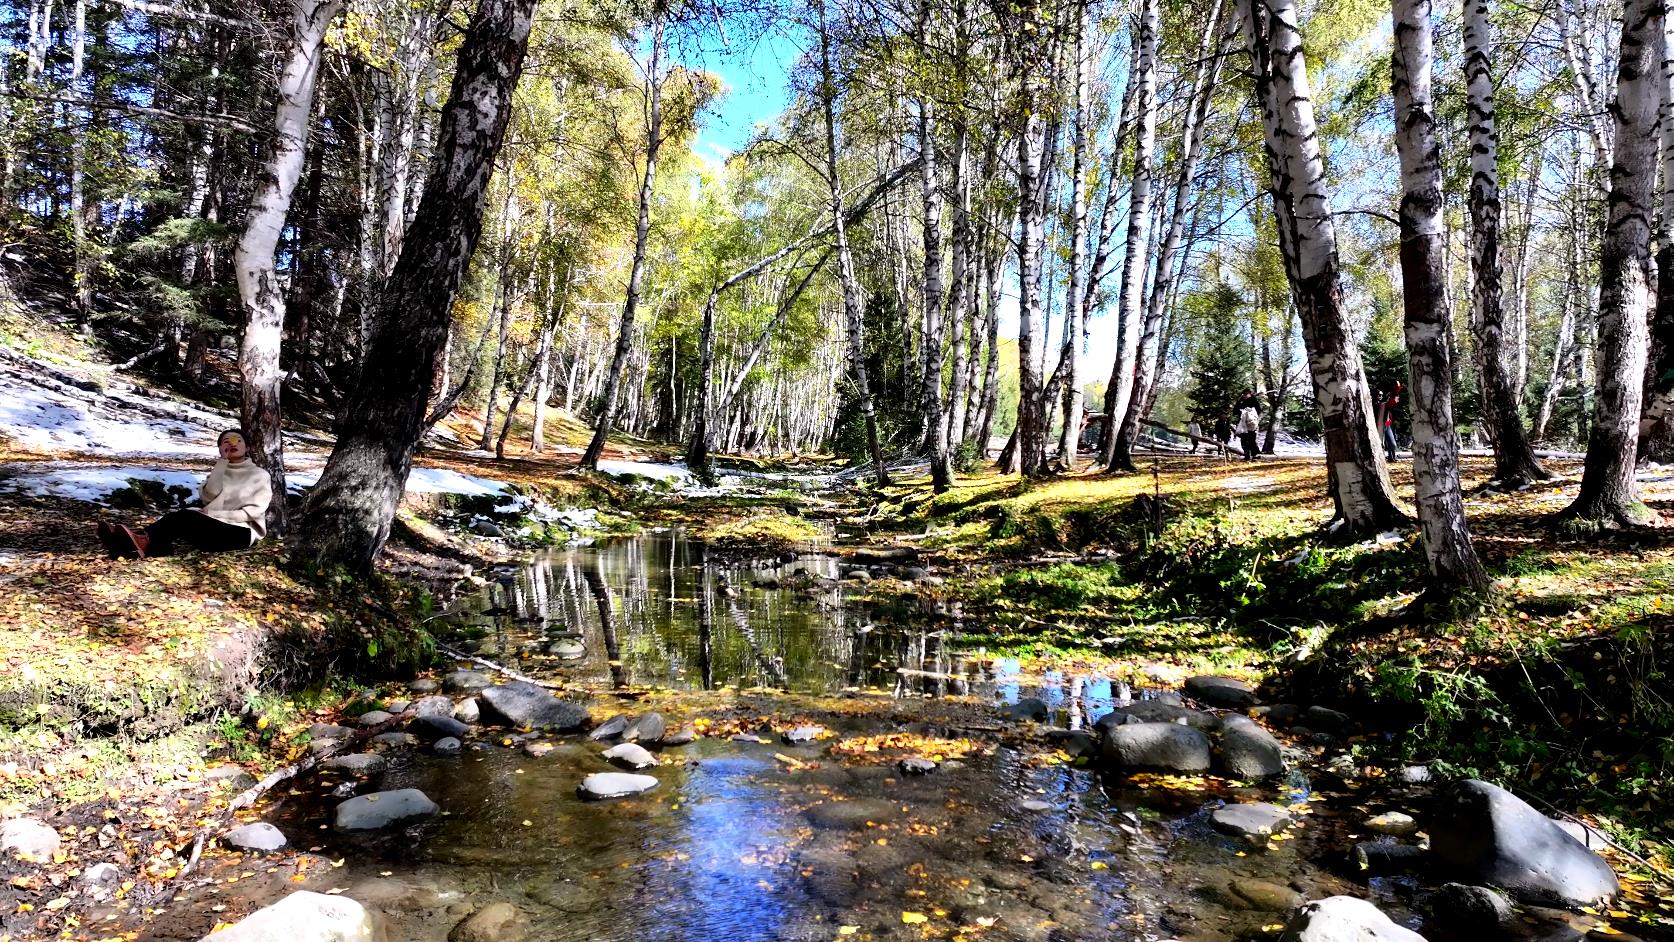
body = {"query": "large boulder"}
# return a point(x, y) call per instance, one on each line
point(1344, 919)
point(432, 728)
point(29, 839)
point(1229, 692)
point(1248, 751)
point(1167, 746)
point(383, 809)
point(259, 836)
point(1158, 711)
point(524, 704)
point(1459, 911)
point(602, 785)
point(302, 917)
point(1485, 834)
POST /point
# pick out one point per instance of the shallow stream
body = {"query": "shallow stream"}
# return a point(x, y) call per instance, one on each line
point(761, 840)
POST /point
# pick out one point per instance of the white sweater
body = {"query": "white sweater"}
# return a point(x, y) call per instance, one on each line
point(238, 494)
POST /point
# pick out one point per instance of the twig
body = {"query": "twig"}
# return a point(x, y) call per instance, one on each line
point(514, 675)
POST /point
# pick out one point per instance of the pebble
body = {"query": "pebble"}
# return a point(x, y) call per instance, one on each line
point(649, 728)
point(537, 749)
point(1253, 819)
point(1394, 823)
point(609, 729)
point(465, 681)
point(394, 740)
point(359, 763)
point(374, 717)
point(257, 836)
point(447, 746)
point(467, 711)
point(630, 755)
point(916, 765)
point(424, 685)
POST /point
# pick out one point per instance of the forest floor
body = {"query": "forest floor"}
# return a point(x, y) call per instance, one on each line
point(1557, 680)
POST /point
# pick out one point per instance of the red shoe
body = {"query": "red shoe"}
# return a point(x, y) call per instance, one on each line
point(130, 545)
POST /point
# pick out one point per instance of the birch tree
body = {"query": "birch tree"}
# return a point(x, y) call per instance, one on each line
point(348, 515)
point(1609, 496)
point(1360, 484)
point(1136, 257)
point(1514, 458)
point(254, 260)
point(1435, 447)
point(642, 233)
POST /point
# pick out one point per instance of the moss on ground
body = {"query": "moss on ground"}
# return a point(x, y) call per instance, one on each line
point(764, 532)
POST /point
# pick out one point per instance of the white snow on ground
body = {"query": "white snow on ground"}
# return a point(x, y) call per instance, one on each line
point(42, 419)
point(92, 484)
point(675, 473)
point(419, 481)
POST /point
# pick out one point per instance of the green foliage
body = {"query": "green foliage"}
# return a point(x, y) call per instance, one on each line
point(1220, 369)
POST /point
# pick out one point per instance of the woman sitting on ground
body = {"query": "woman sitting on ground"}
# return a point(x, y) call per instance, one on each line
point(233, 516)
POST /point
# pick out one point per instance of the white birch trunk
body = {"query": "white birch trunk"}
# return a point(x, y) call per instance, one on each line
point(1069, 437)
point(254, 261)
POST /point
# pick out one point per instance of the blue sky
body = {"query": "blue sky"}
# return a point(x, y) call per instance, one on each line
point(755, 67)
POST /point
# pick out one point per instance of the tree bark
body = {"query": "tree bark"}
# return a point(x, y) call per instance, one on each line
point(348, 514)
point(1148, 353)
point(254, 260)
point(1657, 428)
point(1360, 484)
point(1514, 458)
point(1448, 550)
point(853, 310)
point(1609, 495)
point(642, 236)
point(933, 291)
point(1069, 436)
point(1137, 256)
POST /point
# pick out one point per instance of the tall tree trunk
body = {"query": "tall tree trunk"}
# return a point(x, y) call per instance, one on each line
point(853, 310)
point(1069, 436)
point(991, 365)
point(505, 299)
point(933, 290)
point(254, 260)
point(642, 236)
point(1514, 458)
point(1361, 490)
point(1137, 256)
point(80, 212)
point(1657, 429)
point(348, 514)
point(1435, 448)
point(1148, 353)
point(1609, 495)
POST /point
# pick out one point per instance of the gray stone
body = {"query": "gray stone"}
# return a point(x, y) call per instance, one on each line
point(1265, 896)
point(1029, 708)
point(1416, 774)
point(465, 681)
point(1075, 742)
point(374, 717)
point(467, 711)
point(803, 734)
point(398, 706)
point(230, 777)
point(29, 839)
point(609, 729)
point(1035, 805)
point(1279, 714)
point(328, 731)
point(857, 574)
point(257, 836)
point(1385, 859)
point(568, 649)
point(434, 705)
point(394, 740)
point(102, 875)
point(1156, 746)
point(302, 917)
point(630, 756)
point(885, 556)
point(496, 922)
point(649, 729)
point(1227, 692)
point(424, 685)
point(1488, 835)
point(524, 704)
point(383, 809)
point(1251, 819)
point(563, 896)
point(432, 728)
point(603, 785)
point(447, 746)
point(1590, 838)
point(1393, 823)
point(853, 815)
point(1326, 720)
point(915, 765)
point(322, 746)
point(1248, 751)
point(680, 737)
point(360, 763)
point(1344, 919)
point(487, 528)
point(1469, 910)
point(1158, 711)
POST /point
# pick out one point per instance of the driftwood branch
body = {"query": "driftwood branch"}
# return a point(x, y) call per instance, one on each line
point(483, 662)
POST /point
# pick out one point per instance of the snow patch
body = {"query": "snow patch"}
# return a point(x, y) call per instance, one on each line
point(46, 420)
point(658, 471)
point(94, 484)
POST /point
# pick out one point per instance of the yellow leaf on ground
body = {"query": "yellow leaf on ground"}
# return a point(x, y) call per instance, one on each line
point(913, 919)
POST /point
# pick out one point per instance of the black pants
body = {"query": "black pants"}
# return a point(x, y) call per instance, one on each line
point(1247, 439)
point(196, 530)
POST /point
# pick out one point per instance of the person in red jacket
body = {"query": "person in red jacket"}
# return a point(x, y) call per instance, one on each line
point(1386, 418)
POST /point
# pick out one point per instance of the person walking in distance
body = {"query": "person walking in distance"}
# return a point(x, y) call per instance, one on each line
point(1194, 431)
point(1386, 417)
point(1249, 423)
